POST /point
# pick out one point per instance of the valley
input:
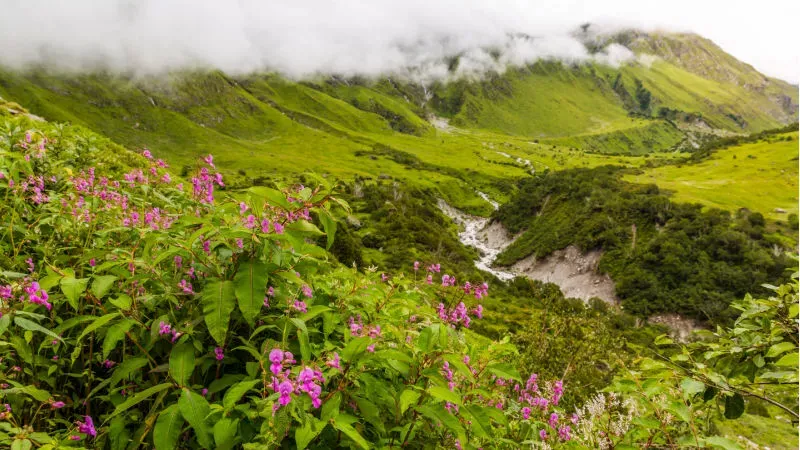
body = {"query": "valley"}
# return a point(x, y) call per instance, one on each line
point(559, 253)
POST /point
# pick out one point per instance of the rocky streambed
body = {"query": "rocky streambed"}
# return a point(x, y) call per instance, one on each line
point(573, 271)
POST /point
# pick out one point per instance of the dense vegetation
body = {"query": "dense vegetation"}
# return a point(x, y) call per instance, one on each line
point(664, 256)
point(139, 308)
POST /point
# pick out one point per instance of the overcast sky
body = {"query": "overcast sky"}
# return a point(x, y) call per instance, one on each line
point(304, 37)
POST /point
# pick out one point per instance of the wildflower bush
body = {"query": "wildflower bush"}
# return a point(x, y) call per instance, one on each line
point(141, 309)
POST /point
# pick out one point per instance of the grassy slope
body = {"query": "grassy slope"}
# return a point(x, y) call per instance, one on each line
point(265, 126)
point(761, 177)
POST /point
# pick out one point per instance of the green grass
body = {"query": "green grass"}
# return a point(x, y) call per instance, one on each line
point(761, 177)
point(764, 431)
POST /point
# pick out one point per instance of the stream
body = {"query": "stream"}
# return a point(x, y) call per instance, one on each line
point(471, 236)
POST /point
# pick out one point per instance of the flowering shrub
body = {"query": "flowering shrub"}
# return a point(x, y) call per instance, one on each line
point(139, 309)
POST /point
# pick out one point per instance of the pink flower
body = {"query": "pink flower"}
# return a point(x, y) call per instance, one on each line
point(92, 262)
point(87, 427)
point(278, 228)
point(146, 153)
point(300, 305)
point(207, 247)
point(564, 433)
point(371, 348)
point(335, 363)
point(204, 392)
point(240, 243)
point(219, 354)
point(553, 422)
point(74, 437)
point(57, 405)
point(209, 160)
point(543, 435)
point(242, 207)
point(416, 266)
point(526, 413)
point(307, 291)
point(265, 226)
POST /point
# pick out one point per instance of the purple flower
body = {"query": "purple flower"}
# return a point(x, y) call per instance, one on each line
point(265, 226)
point(74, 437)
point(278, 228)
point(335, 362)
point(87, 427)
point(204, 392)
point(209, 160)
point(307, 291)
point(543, 434)
point(92, 262)
point(57, 405)
point(416, 266)
point(526, 413)
point(219, 354)
point(207, 247)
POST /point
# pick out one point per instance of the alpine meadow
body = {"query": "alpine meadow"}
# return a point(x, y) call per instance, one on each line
point(391, 226)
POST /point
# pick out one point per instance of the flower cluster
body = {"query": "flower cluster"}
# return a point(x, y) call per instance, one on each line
point(203, 184)
point(308, 381)
point(165, 329)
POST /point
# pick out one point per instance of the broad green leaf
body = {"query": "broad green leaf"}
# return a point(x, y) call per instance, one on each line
point(218, 300)
point(680, 410)
point(101, 284)
point(122, 302)
point(251, 281)
point(691, 387)
point(355, 348)
point(225, 432)
point(181, 363)
point(305, 346)
point(314, 311)
point(168, 428)
point(734, 406)
point(437, 413)
point(351, 432)
point(73, 288)
point(236, 392)
point(114, 335)
point(779, 348)
point(408, 398)
point(790, 360)
point(125, 368)
point(329, 225)
point(370, 412)
point(97, 323)
point(33, 326)
point(195, 409)
point(442, 393)
point(506, 371)
point(480, 421)
point(723, 443)
point(330, 409)
point(139, 397)
point(306, 433)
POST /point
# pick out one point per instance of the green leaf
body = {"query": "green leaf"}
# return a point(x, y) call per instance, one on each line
point(97, 323)
point(691, 387)
point(721, 442)
point(181, 363)
point(305, 346)
point(790, 360)
point(442, 393)
point(330, 409)
point(329, 225)
point(168, 428)
point(314, 311)
point(73, 288)
point(480, 421)
point(734, 406)
point(437, 413)
point(122, 302)
point(506, 371)
point(33, 326)
point(251, 280)
point(408, 398)
point(680, 410)
point(225, 431)
point(306, 433)
point(195, 409)
point(114, 335)
point(101, 284)
point(351, 432)
point(779, 348)
point(218, 299)
point(139, 397)
point(236, 392)
point(127, 367)
point(355, 348)
point(371, 413)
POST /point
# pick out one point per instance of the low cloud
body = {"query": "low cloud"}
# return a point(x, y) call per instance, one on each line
point(413, 38)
